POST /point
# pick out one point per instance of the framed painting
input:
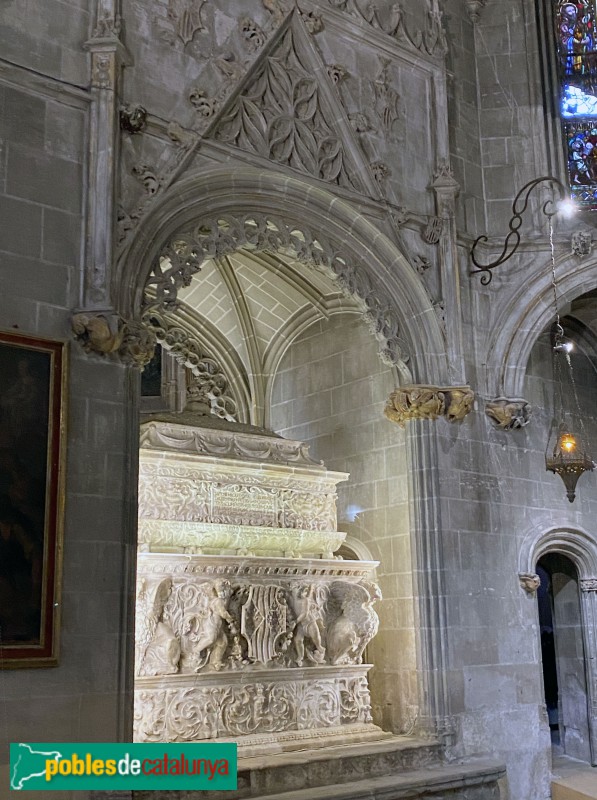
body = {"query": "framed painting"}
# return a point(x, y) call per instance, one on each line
point(32, 425)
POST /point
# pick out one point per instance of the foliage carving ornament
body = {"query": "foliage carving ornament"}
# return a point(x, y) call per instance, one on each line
point(429, 402)
point(588, 584)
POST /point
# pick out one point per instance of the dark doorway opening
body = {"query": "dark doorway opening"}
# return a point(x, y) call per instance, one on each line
point(563, 657)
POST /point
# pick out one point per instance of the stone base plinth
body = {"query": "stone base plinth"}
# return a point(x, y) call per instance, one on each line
point(388, 769)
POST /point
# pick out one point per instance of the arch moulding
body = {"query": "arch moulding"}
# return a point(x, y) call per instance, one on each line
point(576, 543)
point(526, 316)
point(294, 215)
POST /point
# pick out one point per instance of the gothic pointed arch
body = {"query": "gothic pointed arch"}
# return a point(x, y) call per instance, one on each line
point(221, 209)
point(526, 315)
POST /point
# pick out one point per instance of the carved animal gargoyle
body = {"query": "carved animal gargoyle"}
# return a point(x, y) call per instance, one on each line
point(98, 333)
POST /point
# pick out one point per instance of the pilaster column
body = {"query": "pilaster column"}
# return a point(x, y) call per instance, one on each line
point(426, 526)
point(108, 56)
point(446, 190)
point(588, 600)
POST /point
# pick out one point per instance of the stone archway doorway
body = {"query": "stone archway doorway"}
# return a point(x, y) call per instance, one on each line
point(563, 652)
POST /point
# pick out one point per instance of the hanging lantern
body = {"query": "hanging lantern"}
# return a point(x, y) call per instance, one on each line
point(568, 458)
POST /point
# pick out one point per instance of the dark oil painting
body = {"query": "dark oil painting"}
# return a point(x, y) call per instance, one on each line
point(31, 428)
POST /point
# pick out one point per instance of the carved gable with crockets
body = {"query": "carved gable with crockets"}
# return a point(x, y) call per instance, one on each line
point(288, 110)
point(345, 92)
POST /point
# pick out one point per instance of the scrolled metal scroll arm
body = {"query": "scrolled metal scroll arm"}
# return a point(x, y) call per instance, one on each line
point(519, 206)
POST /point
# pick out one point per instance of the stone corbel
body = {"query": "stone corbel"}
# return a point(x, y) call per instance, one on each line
point(508, 414)
point(474, 8)
point(105, 333)
point(529, 581)
point(588, 585)
point(429, 402)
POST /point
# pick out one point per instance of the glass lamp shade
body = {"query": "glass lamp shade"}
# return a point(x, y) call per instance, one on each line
point(568, 459)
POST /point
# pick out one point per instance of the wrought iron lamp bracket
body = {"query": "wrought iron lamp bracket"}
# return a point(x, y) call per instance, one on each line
point(512, 240)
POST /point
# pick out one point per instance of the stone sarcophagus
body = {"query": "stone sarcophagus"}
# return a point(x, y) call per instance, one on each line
point(247, 628)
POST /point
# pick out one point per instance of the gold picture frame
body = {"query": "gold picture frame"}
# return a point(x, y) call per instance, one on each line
point(32, 466)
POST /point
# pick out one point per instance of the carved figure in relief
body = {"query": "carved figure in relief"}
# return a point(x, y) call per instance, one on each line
point(308, 625)
point(459, 403)
point(356, 624)
point(205, 627)
point(157, 648)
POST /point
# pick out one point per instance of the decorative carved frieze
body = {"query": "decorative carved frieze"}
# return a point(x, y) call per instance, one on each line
point(588, 584)
point(295, 708)
point(429, 402)
point(509, 414)
point(212, 238)
point(430, 41)
point(176, 437)
point(175, 536)
point(529, 581)
point(198, 624)
point(108, 334)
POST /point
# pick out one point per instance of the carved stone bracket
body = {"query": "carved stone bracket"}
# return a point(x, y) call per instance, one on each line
point(431, 227)
point(588, 585)
point(133, 120)
point(429, 402)
point(529, 581)
point(107, 334)
point(474, 8)
point(509, 414)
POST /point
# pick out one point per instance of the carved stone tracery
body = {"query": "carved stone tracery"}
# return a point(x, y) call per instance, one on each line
point(184, 255)
point(280, 116)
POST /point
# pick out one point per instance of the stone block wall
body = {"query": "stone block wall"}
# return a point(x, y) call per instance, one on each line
point(330, 391)
point(43, 122)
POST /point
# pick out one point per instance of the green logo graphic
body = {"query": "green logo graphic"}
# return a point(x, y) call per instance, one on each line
point(198, 766)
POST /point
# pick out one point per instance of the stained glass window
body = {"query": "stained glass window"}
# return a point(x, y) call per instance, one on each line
point(576, 40)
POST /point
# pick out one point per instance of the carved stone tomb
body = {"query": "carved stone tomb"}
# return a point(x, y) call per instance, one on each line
point(248, 629)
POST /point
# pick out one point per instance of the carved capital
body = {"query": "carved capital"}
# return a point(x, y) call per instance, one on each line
point(529, 581)
point(105, 333)
point(588, 585)
point(429, 402)
point(509, 413)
